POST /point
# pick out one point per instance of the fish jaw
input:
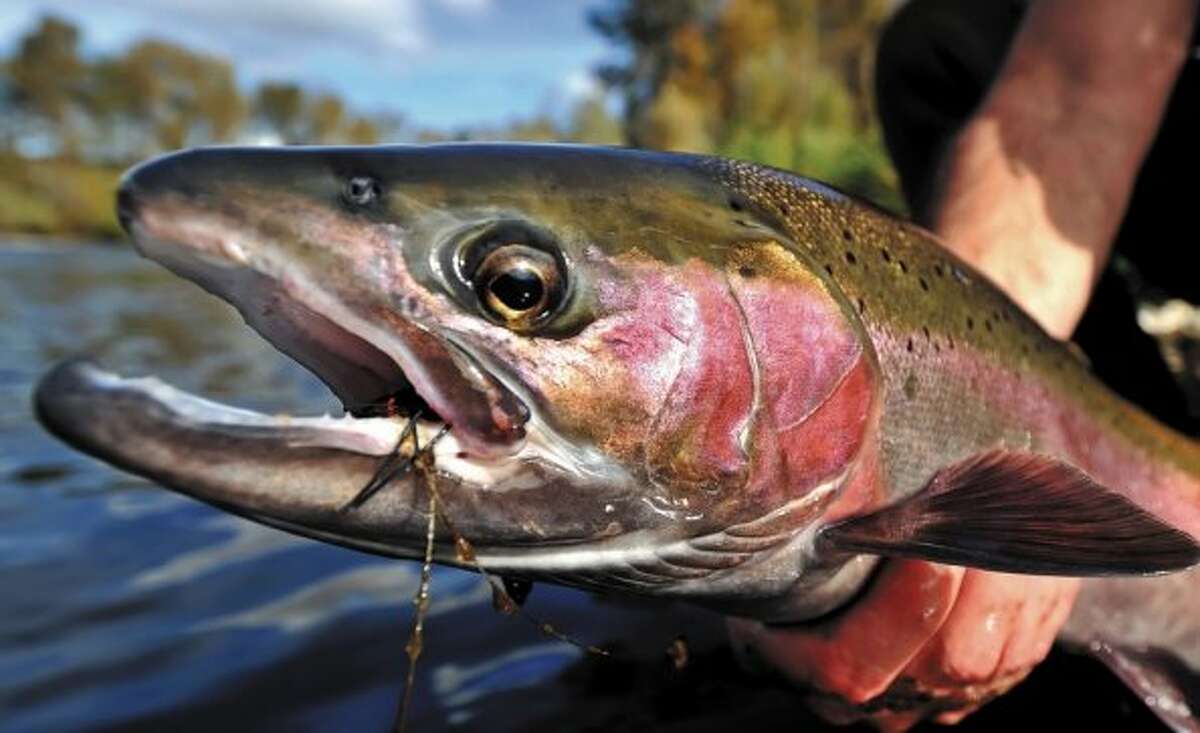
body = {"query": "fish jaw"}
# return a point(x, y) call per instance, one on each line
point(302, 475)
point(325, 304)
point(655, 435)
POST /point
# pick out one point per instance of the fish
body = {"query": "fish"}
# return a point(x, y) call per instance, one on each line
point(647, 373)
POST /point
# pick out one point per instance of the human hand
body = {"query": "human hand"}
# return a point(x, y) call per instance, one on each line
point(925, 641)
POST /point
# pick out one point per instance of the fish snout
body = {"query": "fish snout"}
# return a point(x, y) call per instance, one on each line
point(127, 204)
point(142, 182)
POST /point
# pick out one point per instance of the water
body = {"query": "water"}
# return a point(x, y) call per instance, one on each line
point(124, 606)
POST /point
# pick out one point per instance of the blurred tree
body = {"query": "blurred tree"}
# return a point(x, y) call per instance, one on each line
point(591, 123)
point(539, 128)
point(646, 29)
point(169, 95)
point(327, 115)
point(362, 131)
point(45, 75)
point(783, 82)
point(281, 105)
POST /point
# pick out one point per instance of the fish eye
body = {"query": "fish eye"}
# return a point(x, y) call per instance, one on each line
point(361, 190)
point(518, 285)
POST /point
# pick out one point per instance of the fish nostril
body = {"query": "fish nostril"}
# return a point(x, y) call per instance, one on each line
point(126, 207)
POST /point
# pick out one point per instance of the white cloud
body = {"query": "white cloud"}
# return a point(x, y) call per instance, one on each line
point(387, 26)
point(580, 84)
point(446, 63)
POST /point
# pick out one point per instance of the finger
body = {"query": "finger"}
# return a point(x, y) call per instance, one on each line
point(857, 654)
point(1001, 626)
point(969, 646)
point(1046, 610)
point(976, 697)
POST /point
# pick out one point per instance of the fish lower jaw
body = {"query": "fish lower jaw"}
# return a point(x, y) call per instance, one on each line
point(64, 394)
point(369, 436)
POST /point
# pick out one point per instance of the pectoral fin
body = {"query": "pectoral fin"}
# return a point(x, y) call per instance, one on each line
point(1019, 513)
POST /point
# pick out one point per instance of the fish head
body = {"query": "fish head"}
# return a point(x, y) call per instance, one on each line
point(633, 376)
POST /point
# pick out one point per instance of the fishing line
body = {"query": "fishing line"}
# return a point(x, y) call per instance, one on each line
point(464, 551)
point(388, 468)
point(415, 642)
point(396, 465)
point(421, 461)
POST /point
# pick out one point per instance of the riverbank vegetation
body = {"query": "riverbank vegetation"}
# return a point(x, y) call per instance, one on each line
point(783, 82)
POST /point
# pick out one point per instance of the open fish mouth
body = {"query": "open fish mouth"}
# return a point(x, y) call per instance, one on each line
point(436, 302)
point(379, 397)
point(306, 474)
point(395, 376)
point(402, 370)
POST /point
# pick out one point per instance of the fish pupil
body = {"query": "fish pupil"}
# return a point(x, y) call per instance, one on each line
point(518, 289)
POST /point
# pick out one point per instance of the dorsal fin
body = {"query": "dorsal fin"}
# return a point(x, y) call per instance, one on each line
point(1020, 513)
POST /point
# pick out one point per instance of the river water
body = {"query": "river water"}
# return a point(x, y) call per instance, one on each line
point(127, 607)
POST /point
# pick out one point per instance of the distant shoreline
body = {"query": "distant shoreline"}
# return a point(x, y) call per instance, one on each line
point(58, 198)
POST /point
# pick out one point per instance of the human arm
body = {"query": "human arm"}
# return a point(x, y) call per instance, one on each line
point(1031, 191)
point(1034, 187)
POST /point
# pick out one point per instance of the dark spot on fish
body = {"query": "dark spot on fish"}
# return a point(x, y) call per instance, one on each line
point(910, 385)
point(862, 307)
point(784, 210)
point(924, 285)
point(950, 342)
point(847, 235)
point(850, 257)
point(746, 271)
point(462, 455)
point(937, 347)
point(735, 204)
point(903, 267)
point(925, 330)
point(937, 270)
point(887, 256)
point(970, 323)
point(988, 325)
point(829, 269)
point(910, 346)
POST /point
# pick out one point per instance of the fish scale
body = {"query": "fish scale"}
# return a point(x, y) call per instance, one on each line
point(703, 380)
point(931, 319)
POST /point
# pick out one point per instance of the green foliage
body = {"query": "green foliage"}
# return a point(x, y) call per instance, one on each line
point(362, 131)
point(781, 82)
point(328, 115)
point(46, 73)
point(282, 106)
point(180, 96)
point(58, 197)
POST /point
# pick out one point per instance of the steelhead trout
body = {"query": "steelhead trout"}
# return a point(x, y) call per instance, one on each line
point(663, 374)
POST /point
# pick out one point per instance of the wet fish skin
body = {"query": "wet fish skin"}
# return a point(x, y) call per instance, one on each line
point(743, 358)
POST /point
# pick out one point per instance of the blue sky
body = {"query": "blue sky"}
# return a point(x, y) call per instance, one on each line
point(441, 63)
